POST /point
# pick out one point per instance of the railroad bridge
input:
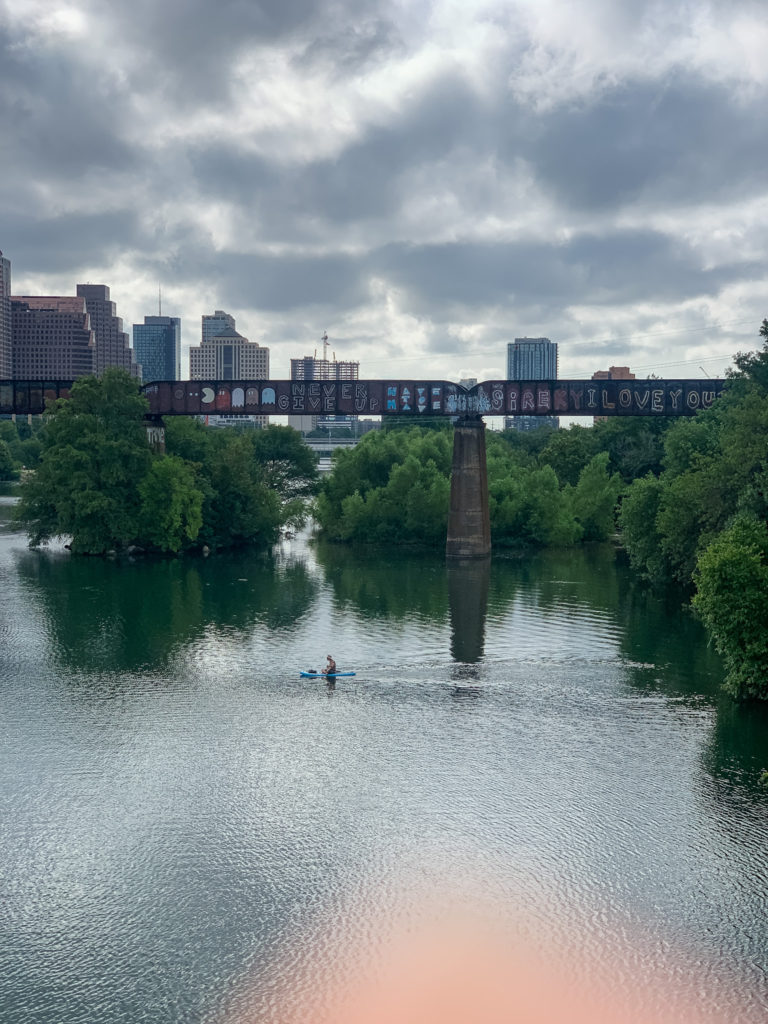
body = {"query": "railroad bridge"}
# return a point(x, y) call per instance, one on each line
point(469, 534)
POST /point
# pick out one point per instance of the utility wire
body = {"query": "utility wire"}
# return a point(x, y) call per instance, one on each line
point(658, 334)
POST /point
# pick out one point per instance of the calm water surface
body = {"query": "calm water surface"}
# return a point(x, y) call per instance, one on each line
point(185, 822)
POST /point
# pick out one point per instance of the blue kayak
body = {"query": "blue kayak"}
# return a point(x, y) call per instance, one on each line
point(326, 675)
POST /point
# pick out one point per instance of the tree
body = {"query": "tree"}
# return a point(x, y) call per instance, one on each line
point(732, 599)
point(288, 467)
point(639, 532)
point(568, 452)
point(528, 507)
point(238, 508)
point(94, 457)
point(171, 505)
point(392, 487)
point(8, 469)
point(595, 497)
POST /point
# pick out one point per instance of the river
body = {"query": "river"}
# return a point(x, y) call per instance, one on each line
point(190, 832)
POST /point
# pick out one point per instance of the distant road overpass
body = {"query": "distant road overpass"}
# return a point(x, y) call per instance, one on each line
point(409, 398)
point(321, 445)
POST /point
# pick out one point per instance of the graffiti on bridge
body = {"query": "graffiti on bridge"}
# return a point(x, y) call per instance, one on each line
point(397, 397)
point(435, 398)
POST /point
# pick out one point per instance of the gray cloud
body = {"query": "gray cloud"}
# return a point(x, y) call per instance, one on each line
point(55, 245)
point(367, 180)
point(441, 199)
point(621, 268)
point(59, 118)
point(677, 140)
point(191, 46)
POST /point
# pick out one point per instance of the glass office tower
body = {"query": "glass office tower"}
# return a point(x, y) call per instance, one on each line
point(157, 346)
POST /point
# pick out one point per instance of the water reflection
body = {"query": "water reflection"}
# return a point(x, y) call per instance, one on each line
point(468, 584)
point(543, 726)
point(102, 615)
point(738, 751)
point(392, 584)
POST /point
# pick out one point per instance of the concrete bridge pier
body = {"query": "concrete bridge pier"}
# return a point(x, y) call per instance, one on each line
point(155, 433)
point(469, 523)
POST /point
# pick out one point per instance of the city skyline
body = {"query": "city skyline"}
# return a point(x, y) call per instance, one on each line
point(423, 182)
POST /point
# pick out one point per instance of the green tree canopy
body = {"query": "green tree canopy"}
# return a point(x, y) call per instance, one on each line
point(8, 470)
point(732, 599)
point(99, 483)
point(171, 505)
point(288, 467)
point(94, 457)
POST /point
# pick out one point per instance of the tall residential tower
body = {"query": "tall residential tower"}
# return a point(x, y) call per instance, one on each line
point(531, 359)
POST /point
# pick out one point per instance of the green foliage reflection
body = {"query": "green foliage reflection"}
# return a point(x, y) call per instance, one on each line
point(134, 617)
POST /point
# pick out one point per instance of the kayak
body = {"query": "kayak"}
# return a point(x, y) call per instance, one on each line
point(326, 675)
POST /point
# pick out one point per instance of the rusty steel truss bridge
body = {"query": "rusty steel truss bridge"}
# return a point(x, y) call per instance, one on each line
point(411, 398)
point(469, 530)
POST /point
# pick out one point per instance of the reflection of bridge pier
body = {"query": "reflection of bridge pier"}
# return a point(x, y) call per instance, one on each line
point(468, 584)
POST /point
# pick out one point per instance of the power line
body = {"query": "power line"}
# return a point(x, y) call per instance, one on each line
point(684, 362)
point(658, 334)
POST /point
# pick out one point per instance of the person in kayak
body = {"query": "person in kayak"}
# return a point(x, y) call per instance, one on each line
point(330, 668)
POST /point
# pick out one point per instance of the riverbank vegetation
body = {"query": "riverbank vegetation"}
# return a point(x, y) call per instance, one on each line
point(702, 521)
point(99, 484)
point(394, 487)
point(688, 496)
point(20, 447)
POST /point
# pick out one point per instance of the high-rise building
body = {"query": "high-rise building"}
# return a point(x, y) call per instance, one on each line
point(312, 368)
point(157, 347)
point(6, 359)
point(112, 347)
point(531, 359)
point(51, 337)
point(224, 354)
point(216, 323)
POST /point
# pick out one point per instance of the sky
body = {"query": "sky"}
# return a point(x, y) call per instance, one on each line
point(424, 181)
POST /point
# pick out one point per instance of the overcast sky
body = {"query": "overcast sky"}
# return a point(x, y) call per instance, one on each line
point(423, 181)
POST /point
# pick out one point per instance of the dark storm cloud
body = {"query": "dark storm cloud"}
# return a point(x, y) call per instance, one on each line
point(445, 125)
point(678, 140)
point(58, 117)
point(191, 45)
point(135, 107)
point(57, 244)
point(462, 280)
point(279, 283)
point(624, 267)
